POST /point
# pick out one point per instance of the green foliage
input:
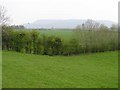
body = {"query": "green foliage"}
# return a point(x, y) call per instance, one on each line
point(66, 50)
point(31, 42)
point(34, 36)
point(80, 41)
point(54, 45)
point(71, 48)
point(97, 41)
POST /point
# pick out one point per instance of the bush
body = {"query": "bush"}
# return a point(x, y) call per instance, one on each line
point(85, 42)
point(54, 45)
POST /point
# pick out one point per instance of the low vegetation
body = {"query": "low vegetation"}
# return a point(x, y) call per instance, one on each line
point(88, 38)
point(98, 70)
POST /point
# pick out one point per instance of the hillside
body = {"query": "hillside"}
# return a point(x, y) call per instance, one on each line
point(70, 23)
point(99, 70)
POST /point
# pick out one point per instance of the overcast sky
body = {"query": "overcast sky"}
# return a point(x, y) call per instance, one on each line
point(27, 11)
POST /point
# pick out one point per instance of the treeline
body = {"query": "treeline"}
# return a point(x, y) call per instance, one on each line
point(30, 42)
point(33, 42)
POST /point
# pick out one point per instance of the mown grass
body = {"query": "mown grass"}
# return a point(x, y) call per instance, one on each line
point(99, 70)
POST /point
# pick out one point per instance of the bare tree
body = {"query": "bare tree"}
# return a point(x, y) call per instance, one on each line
point(91, 25)
point(4, 19)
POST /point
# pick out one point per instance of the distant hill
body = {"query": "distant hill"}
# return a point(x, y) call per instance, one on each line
point(70, 23)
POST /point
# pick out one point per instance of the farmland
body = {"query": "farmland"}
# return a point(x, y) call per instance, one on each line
point(98, 70)
point(68, 58)
point(65, 34)
point(59, 44)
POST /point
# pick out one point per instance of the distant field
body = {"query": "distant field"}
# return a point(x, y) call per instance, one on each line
point(99, 70)
point(64, 34)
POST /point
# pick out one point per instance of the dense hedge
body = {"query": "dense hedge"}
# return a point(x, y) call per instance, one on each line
point(34, 43)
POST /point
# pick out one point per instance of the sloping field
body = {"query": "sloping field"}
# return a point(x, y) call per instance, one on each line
point(99, 70)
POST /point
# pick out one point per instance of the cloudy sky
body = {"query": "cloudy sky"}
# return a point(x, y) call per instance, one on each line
point(27, 11)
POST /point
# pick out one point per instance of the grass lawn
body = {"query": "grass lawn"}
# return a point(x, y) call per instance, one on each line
point(98, 70)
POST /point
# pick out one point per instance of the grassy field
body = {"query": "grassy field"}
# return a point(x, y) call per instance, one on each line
point(99, 70)
point(65, 35)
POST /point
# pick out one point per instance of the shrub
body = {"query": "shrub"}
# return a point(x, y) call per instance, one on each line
point(90, 41)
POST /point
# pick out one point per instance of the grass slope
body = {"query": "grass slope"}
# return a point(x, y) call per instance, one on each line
point(98, 70)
